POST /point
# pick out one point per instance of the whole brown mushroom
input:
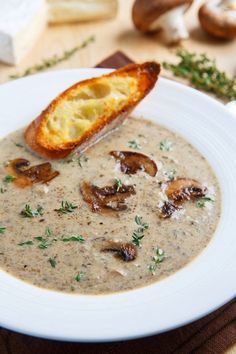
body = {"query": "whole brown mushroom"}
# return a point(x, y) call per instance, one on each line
point(168, 15)
point(218, 18)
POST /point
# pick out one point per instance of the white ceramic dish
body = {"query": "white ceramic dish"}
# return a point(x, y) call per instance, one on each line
point(205, 284)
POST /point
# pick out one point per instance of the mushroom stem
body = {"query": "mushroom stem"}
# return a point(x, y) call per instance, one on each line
point(173, 25)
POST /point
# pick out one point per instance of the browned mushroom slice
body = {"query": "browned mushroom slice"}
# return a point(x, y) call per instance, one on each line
point(130, 162)
point(178, 191)
point(27, 176)
point(182, 189)
point(126, 251)
point(109, 197)
point(168, 210)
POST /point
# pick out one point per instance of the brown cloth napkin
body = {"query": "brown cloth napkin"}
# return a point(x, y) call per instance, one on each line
point(212, 334)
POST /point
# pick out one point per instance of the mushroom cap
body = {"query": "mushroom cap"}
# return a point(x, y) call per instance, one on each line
point(217, 20)
point(106, 199)
point(145, 12)
point(24, 177)
point(130, 162)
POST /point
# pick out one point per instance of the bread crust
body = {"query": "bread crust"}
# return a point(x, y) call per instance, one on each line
point(146, 75)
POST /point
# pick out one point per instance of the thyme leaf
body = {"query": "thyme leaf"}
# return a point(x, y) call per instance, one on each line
point(19, 145)
point(203, 73)
point(52, 262)
point(54, 60)
point(201, 203)
point(137, 238)
point(119, 184)
point(2, 229)
point(28, 212)
point(8, 179)
point(142, 225)
point(170, 175)
point(78, 238)
point(80, 276)
point(156, 260)
point(134, 144)
point(24, 243)
point(138, 234)
point(82, 158)
point(48, 231)
point(66, 207)
point(39, 238)
point(73, 157)
point(165, 145)
point(44, 243)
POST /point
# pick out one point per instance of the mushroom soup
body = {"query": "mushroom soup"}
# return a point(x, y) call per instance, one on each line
point(133, 209)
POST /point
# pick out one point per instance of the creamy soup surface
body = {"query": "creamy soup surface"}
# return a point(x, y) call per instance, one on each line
point(64, 251)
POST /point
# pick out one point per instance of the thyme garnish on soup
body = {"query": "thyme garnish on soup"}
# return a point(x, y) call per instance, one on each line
point(133, 144)
point(138, 234)
point(156, 260)
point(8, 179)
point(66, 207)
point(28, 212)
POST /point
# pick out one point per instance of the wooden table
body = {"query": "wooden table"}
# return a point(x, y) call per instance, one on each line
point(119, 34)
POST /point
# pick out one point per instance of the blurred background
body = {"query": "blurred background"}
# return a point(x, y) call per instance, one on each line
point(117, 32)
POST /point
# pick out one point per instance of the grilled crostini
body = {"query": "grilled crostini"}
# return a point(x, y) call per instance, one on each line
point(88, 110)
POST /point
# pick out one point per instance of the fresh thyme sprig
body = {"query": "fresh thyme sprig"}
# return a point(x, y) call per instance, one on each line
point(2, 229)
point(48, 231)
point(78, 238)
point(53, 61)
point(118, 183)
point(170, 175)
point(52, 262)
point(19, 145)
point(156, 260)
point(201, 203)
point(28, 212)
point(142, 225)
point(46, 240)
point(74, 157)
point(81, 159)
point(202, 72)
point(80, 276)
point(165, 145)
point(66, 207)
point(8, 179)
point(138, 234)
point(26, 243)
point(133, 144)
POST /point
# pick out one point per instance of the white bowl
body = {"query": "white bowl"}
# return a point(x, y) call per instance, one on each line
point(205, 284)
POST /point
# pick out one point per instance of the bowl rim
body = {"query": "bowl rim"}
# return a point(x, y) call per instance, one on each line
point(29, 329)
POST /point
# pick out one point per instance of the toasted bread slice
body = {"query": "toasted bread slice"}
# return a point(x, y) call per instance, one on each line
point(90, 109)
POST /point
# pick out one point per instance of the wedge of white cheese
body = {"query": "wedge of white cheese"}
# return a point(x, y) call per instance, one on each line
point(21, 23)
point(80, 10)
